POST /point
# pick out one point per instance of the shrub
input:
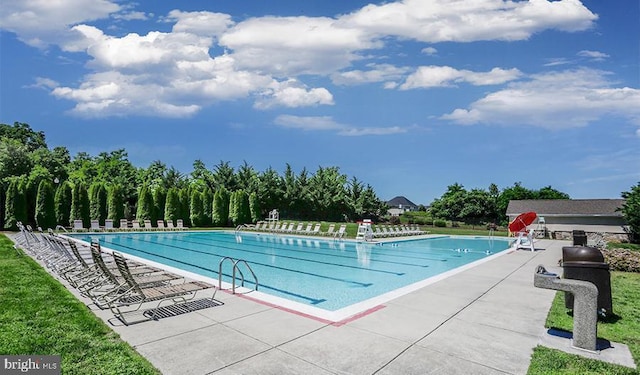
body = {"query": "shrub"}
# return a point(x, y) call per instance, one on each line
point(98, 202)
point(45, 206)
point(16, 205)
point(196, 208)
point(254, 207)
point(145, 205)
point(622, 259)
point(440, 223)
point(115, 204)
point(220, 214)
point(80, 205)
point(172, 206)
point(63, 203)
point(394, 220)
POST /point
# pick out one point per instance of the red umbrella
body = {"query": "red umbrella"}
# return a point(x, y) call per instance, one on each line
point(521, 221)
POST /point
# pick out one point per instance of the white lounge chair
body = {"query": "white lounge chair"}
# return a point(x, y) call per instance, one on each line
point(78, 227)
point(341, 231)
point(525, 240)
point(330, 230)
point(180, 224)
point(160, 224)
point(124, 224)
point(108, 225)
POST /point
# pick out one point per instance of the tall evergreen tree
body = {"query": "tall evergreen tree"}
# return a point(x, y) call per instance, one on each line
point(196, 208)
point(145, 205)
point(172, 206)
point(80, 205)
point(62, 203)
point(115, 204)
point(220, 215)
point(185, 211)
point(16, 205)
point(159, 201)
point(45, 206)
point(207, 206)
point(254, 207)
point(98, 202)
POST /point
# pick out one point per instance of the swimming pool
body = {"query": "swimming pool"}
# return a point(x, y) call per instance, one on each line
point(316, 275)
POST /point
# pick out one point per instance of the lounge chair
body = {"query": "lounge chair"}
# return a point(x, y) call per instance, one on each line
point(124, 224)
point(136, 296)
point(160, 224)
point(147, 225)
point(315, 231)
point(95, 226)
point(135, 225)
point(307, 229)
point(170, 225)
point(330, 230)
point(78, 226)
point(111, 286)
point(298, 228)
point(341, 231)
point(108, 225)
point(180, 224)
point(525, 240)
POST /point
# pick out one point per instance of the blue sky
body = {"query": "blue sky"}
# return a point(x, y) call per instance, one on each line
point(408, 96)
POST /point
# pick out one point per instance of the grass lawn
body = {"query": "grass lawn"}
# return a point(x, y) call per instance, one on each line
point(38, 315)
point(624, 328)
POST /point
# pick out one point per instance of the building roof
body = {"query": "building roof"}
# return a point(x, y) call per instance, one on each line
point(400, 200)
point(567, 207)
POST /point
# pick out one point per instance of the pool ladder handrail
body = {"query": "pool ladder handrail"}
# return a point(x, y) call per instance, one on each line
point(235, 268)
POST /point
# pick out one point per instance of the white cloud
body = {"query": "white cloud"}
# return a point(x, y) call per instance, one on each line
point(445, 76)
point(465, 21)
point(594, 55)
point(285, 46)
point(200, 23)
point(44, 83)
point(177, 73)
point(554, 100)
point(39, 23)
point(326, 123)
point(429, 51)
point(291, 94)
point(376, 73)
point(308, 123)
point(131, 16)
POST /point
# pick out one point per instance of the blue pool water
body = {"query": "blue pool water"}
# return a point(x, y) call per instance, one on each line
point(325, 273)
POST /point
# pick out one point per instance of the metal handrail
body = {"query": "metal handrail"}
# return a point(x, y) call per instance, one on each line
point(235, 269)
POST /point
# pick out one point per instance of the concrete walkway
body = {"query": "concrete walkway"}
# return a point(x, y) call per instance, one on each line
point(485, 320)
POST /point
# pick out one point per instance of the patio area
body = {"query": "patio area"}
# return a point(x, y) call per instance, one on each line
point(485, 320)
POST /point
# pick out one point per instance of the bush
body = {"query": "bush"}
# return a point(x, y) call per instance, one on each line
point(172, 206)
point(115, 204)
point(622, 259)
point(45, 207)
point(440, 223)
point(394, 220)
point(80, 205)
point(63, 203)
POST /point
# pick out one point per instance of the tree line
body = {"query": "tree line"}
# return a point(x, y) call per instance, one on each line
point(47, 187)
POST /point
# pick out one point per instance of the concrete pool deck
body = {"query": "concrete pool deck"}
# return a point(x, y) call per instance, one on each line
point(484, 320)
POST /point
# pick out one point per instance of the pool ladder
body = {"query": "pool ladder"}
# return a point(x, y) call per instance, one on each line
point(236, 269)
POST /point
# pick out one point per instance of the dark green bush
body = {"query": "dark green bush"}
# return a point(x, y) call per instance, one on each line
point(197, 209)
point(254, 207)
point(440, 223)
point(16, 205)
point(45, 206)
point(145, 205)
point(62, 201)
point(80, 205)
point(220, 214)
point(172, 206)
point(394, 220)
point(115, 204)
